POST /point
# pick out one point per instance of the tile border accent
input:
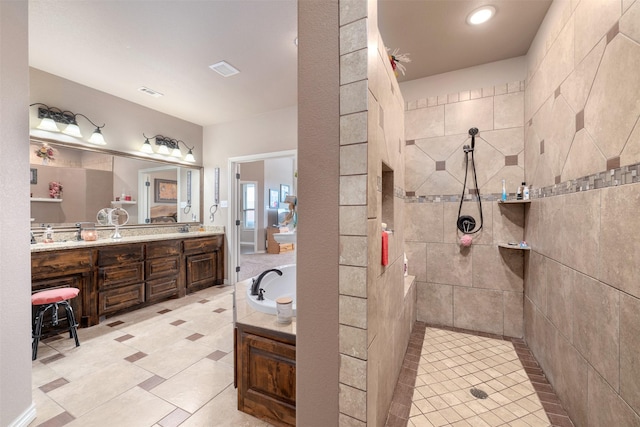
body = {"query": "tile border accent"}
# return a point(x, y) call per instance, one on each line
point(464, 95)
point(403, 393)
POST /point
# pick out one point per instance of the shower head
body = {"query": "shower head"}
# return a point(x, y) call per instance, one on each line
point(473, 132)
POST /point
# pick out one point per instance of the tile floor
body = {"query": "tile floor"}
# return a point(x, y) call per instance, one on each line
point(442, 366)
point(165, 365)
point(171, 364)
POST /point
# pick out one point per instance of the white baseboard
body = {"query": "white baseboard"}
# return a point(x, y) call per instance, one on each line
point(26, 417)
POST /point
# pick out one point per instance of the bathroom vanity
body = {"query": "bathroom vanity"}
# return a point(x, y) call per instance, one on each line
point(120, 275)
point(265, 364)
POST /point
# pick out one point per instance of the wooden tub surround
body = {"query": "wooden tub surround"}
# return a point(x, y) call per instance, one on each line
point(117, 276)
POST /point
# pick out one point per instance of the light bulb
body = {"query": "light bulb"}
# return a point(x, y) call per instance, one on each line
point(97, 138)
point(49, 125)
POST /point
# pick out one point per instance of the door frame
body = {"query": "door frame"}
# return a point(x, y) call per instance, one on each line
point(234, 201)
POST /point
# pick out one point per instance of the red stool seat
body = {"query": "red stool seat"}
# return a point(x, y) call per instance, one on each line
point(50, 300)
point(54, 295)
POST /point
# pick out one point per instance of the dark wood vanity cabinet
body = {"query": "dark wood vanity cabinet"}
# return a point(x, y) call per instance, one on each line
point(204, 262)
point(162, 270)
point(52, 270)
point(117, 277)
point(120, 278)
point(266, 374)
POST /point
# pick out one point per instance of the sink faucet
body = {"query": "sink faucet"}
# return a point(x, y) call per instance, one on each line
point(255, 285)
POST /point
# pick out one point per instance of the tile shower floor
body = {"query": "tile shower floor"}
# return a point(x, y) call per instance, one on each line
point(457, 378)
point(171, 364)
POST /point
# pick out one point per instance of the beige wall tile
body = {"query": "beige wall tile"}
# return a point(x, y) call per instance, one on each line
point(434, 303)
point(423, 222)
point(508, 223)
point(353, 97)
point(353, 36)
point(513, 314)
point(629, 346)
point(508, 110)
point(630, 22)
point(353, 66)
point(451, 232)
point(609, 98)
point(631, 152)
point(596, 326)
point(584, 158)
point(418, 167)
point(353, 372)
point(353, 159)
point(478, 309)
point(507, 141)
point(440, 183)
point(497, 268)
point(489, 162)
point(353, 281)
point(351, 10)
point(561, 128)
point(353, 190)
point(417, 259)
point(353, 311)
point(353, 342)
point(593, 18)
point(575, 89)
point(347, 421)
point(619, 254)
point(462, 116)
point(353, 251)
point(441, 147)
point(535, 282)
point(353, 402)
point(449, 264)
point(606, 408)
point(353, 128)
point(424, 123)
point(560, 297)
point(353, 220)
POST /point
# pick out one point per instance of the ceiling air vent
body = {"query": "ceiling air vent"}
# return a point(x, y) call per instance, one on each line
point(150, 92)
point(224, 69)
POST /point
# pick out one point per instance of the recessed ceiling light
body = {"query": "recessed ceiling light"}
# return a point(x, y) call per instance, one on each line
point(224, 69)
point(481, 15)
point(150, 92)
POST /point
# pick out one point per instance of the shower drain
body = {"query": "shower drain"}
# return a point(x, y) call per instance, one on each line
point(479, 394)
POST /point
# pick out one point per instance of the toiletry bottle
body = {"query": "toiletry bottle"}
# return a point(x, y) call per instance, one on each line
point(406, 266)
point(525, 192)
point(520, 190)
point(48, 234)
point(504, 191)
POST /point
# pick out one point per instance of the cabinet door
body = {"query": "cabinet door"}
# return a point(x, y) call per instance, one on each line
point(267, 377)
point(113, 300)
point(120, 275)
point(162, 276)
point(201, 271)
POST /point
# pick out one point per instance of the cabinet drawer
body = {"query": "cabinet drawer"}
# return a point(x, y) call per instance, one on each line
point(120, 254)
point(163, 249)
point(163, 267)
point(204, 245)
point(59, 263)
point(161, 288)
point(113, 300)
point(119, 275)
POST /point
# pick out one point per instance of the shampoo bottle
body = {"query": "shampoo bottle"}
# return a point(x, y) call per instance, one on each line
point(520, 191)
point(525, 192)
point(504, 191)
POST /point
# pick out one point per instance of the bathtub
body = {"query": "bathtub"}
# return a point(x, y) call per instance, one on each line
point(275, 287)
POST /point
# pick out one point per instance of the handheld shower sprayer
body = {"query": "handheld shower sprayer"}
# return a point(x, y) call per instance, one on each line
point(466, 223)
point(473, 132)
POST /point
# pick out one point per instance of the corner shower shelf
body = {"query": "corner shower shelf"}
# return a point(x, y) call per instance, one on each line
point(44, 199)
point(516, 247)
point(513, 202)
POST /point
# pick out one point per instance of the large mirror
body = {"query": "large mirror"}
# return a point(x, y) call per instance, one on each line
point(70, 185)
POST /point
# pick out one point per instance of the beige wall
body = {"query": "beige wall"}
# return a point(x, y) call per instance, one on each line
point(317, 355)
point(581, 294)
point(374, 326)
point(15, 287)
point(478, 288)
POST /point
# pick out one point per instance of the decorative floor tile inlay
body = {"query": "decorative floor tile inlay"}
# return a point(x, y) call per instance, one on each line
point(178, 322)
point(116, 323)
point(217, 355)
point(195, 337)
point(136, 356)
point(53, 385)
point(124, 338)
point(219, 310)
point(166, 310)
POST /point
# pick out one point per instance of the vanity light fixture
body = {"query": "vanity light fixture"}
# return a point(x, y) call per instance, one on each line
point(51, 115)
point(167, 147)
point(481, 15)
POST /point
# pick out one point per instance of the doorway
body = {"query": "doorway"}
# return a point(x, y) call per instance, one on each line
point(269, 172)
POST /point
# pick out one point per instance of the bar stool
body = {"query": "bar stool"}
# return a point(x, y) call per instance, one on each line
point(46, 300)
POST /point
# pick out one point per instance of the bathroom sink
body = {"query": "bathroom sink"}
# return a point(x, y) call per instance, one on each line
point(287, 237)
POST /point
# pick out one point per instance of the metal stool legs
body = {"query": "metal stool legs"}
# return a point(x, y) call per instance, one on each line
point(37, 324)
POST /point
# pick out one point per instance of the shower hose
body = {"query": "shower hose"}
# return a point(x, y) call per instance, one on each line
point(466, 223)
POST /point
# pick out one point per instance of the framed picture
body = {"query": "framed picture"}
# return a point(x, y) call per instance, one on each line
point(34, 176)
point(284, 192)
point(166, 191)
point(273, 199)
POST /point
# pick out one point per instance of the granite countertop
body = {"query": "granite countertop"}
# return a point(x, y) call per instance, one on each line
point(251, 317)
point(73, 244)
